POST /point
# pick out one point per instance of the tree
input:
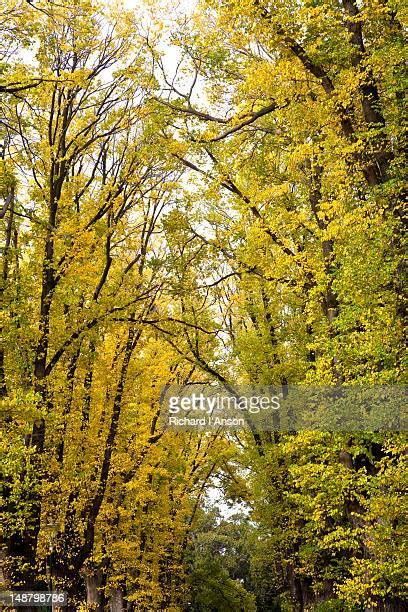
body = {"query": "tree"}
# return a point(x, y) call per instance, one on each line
point(239, 221)
point(299, 166)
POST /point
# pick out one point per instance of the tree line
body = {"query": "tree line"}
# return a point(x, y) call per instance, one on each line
point(208, 195)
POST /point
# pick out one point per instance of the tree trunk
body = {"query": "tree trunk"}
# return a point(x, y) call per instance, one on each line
point(116, 603)
point(93, 593)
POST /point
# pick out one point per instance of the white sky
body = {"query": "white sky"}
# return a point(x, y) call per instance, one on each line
point(169, 11)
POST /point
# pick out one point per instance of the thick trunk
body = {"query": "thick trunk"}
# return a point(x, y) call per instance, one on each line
point(23, 545)
point(94, 583)
point(330, 303)
point(116, 603)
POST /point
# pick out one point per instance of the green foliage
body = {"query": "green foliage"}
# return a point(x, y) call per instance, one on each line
point(218, 566)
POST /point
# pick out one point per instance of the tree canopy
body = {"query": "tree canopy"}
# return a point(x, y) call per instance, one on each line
point(199, 193)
